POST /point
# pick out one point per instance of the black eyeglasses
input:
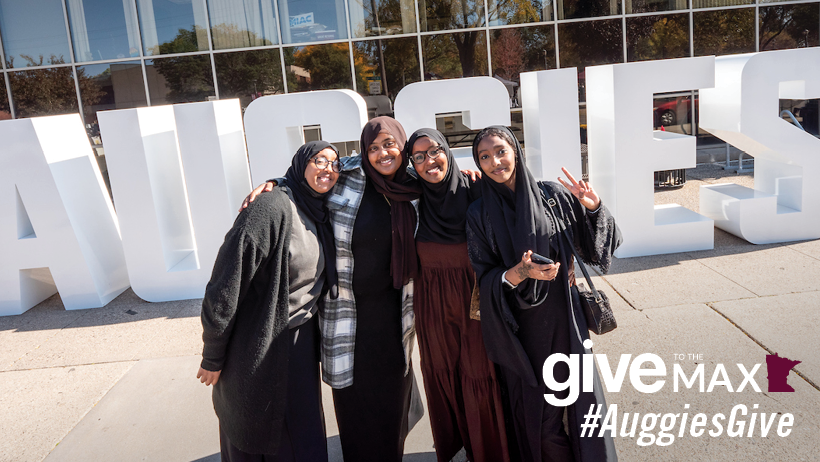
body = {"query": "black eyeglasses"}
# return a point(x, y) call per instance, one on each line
point(322, 163)
point(419, 157)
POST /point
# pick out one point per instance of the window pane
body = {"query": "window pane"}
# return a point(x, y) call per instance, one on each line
point(182, 79)
point(590, 43)
point(240, 24)
point(390, 17)
point(102, 29)
point(521, 49)
point(5, 112)
point(33, 32)
point(572, 9)
point(714, 3)
point(312, 20)
point(657, 37)
point(450, 56)
point(247, 75)
point(806, 112)
point(173, 26)
point(649, 6)
point(450, 14)
point(519, 12)
point(383, 68)
point(318, 67)
point(789, 26)
point(673, 113)
point(724, 32)
point(44, 92)
point(110, 86)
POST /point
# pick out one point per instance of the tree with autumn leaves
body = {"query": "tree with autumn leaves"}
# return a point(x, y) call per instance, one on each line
point(518, 11)
point(328, 65)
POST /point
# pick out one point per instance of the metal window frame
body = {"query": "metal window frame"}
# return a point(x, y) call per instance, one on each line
point(418, 34)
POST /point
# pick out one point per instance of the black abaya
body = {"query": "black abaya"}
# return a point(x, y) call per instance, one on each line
point(520, 336)
point(373, 412)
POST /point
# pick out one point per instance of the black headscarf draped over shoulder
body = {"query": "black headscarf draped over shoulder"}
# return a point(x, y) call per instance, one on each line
point(401, 190)
point(518, 219)
point(312, 204)
point(443, 207)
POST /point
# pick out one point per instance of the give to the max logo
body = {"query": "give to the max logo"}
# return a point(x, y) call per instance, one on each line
point(779, 369)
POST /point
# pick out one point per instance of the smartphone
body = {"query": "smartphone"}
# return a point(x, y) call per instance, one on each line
point(541, 260)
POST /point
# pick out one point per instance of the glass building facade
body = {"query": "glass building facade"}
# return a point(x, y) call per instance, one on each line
point(63, 56)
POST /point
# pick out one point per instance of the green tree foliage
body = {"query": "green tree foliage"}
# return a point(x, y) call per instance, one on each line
point(451, 14)
point(366, 61)
point(392, 61)
point(463, 54)
point(724, 32)
point(50, 91)
point(539, 47)
point(590, 43)
point(401, 59)
point(188, 78)
point(246, 73)
point(401, 63)
point(789, 26)
point(657, 37)
point(186, 41)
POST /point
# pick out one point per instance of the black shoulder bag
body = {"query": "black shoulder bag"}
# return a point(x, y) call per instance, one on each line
point(595, 304)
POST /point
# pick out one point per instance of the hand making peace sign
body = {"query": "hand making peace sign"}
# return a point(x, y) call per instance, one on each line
point(582, 190)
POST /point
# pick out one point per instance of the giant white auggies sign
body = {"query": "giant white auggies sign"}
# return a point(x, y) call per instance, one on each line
point(178, 173)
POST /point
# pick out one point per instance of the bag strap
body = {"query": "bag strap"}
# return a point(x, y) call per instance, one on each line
point(552, 208)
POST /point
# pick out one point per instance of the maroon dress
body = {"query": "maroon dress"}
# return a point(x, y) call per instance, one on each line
point(463, 394)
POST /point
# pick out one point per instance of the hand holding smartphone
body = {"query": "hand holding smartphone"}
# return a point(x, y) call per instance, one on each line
point(540, 259)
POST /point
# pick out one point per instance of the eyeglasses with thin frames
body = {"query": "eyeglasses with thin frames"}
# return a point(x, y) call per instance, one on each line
point(420, 156)
point(322, 163)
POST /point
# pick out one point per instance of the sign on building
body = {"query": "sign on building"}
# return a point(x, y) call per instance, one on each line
point(302, 20)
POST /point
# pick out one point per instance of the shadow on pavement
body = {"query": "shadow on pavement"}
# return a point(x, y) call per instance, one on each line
point(126, 308)
point(212, 458)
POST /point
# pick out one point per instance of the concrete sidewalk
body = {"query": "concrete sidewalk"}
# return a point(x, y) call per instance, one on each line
point(118, 383)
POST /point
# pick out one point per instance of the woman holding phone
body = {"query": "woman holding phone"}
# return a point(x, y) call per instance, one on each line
point(530, 311)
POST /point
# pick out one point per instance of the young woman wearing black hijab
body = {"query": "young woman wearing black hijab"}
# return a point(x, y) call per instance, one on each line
point(368, 331)
point(261, 349)
point(527, 309)
point(463, 395)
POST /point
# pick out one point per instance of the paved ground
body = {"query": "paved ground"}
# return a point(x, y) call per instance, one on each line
point(117, 383)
